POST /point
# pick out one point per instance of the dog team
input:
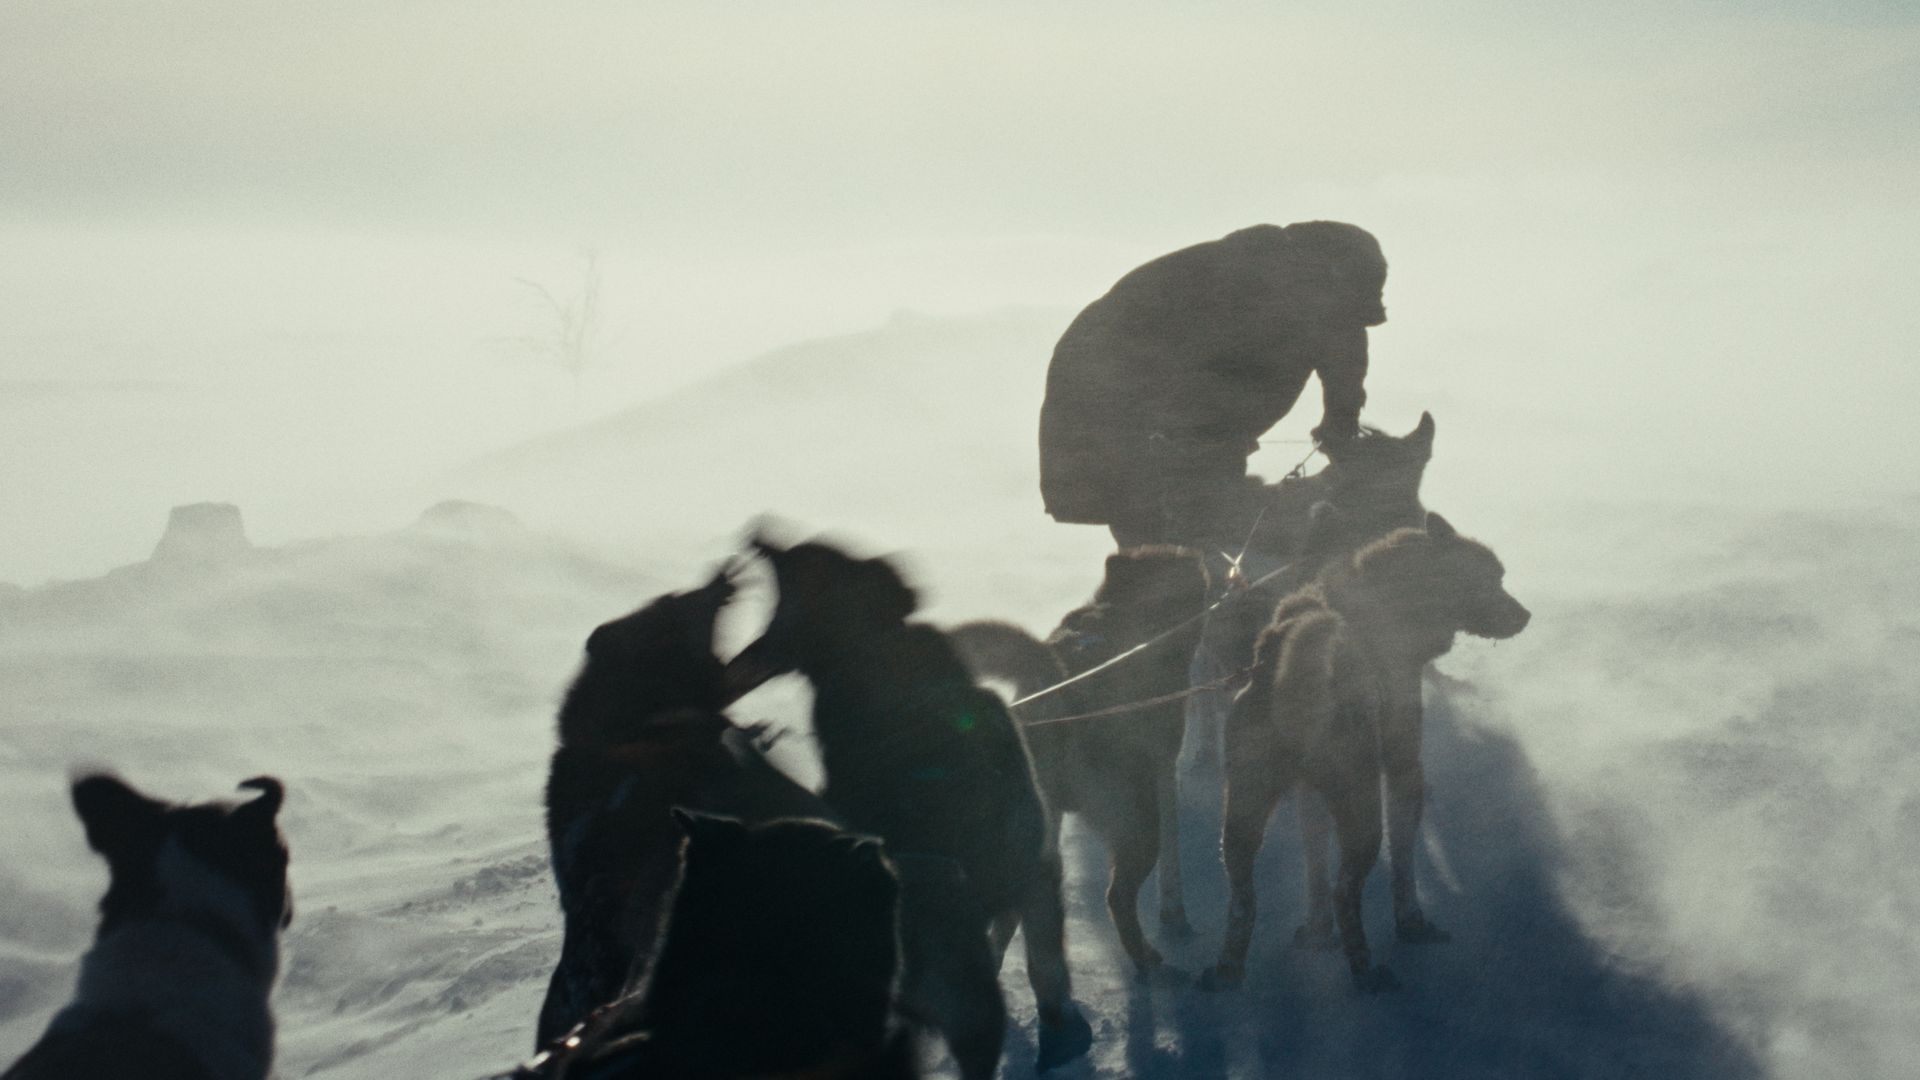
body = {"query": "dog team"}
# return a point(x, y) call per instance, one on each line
point(722, 920)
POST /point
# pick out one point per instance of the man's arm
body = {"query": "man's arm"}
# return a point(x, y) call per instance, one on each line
point(1343, 376)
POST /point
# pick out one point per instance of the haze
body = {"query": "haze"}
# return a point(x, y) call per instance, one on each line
point(267, 254)
point(1651, 270)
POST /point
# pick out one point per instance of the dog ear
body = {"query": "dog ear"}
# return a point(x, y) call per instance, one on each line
point(707, 830)
point(864, 850)
point(758, 539)
point(117, 818)
point(1422, 434)
point(267, 804)
point(1439, 528)
point(600, 642)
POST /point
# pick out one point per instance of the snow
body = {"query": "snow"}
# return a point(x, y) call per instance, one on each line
point(1670, 829)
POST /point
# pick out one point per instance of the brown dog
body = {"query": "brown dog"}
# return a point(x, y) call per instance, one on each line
point(1118, 770)
point(1334, 706)
point(1374, 480)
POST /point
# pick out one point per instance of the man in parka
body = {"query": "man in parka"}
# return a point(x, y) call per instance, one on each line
point(1160, 390)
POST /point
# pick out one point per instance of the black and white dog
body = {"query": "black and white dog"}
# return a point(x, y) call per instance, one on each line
point(176, 984)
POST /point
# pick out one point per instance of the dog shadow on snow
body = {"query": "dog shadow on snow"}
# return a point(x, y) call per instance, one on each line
point(1522, 990)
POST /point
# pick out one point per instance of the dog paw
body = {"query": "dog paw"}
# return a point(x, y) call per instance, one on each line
point(1064, 1041)
point(1174, 924)
point(1416, 929)
point(1374, 980)
point(1318, 937)
point(1222, 977)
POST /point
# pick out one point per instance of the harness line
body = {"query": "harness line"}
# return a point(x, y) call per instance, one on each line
point(1136, 706)
point(1152, 641)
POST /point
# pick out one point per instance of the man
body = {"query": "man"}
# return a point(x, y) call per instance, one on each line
point(1161, 389)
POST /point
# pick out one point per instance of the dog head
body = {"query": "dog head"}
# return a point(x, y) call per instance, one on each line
point(826, 598)
point(793, 921)
point(1376, 474)
point(1442, 582)
point(812, 871)
point(221, 859)
point(660, 657)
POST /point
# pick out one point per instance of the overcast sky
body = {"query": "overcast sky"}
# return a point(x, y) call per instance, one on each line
point(264, 197)
point(804, 123)
point(723, 135)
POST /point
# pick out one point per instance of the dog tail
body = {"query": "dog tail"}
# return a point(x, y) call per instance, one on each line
point(1002, 652)
point(1291, 692)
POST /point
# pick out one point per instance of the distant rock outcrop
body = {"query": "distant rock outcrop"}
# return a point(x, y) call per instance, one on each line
point(474, 520)
point(202, 534)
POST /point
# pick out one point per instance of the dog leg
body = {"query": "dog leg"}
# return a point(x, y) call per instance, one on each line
point(595, 956)
point(1250, 802)
point(1316, 833)
point(1173, 894)
point(1406, 787)
point(559, 1010)
point(1064, 1033)
point(1356, 821)
point(950, 982)
point(1131, 842)
point(974, 1018)
point(1000, 929)
point(1000, 935)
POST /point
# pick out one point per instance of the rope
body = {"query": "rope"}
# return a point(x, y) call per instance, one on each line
point(1298, 472)
point(1152, 641)
point(1136, 706)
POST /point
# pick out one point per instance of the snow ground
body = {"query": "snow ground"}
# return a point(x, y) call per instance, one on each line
point(1670, 825)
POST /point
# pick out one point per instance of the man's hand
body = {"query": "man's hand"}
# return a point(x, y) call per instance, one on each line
point(1336, 429)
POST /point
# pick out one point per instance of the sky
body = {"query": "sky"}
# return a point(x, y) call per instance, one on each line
point(307, 228)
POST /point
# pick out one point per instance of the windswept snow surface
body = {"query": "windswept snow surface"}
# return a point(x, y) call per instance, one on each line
point(1671, 824)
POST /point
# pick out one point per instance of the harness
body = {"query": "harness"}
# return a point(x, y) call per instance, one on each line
point(1156, 639)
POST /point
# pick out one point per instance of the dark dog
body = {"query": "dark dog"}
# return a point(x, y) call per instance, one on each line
point(779, 959)
point(917, 754)
point(176, 984)
point(1116, 770)
point(642, 731)
point(1334, 706)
